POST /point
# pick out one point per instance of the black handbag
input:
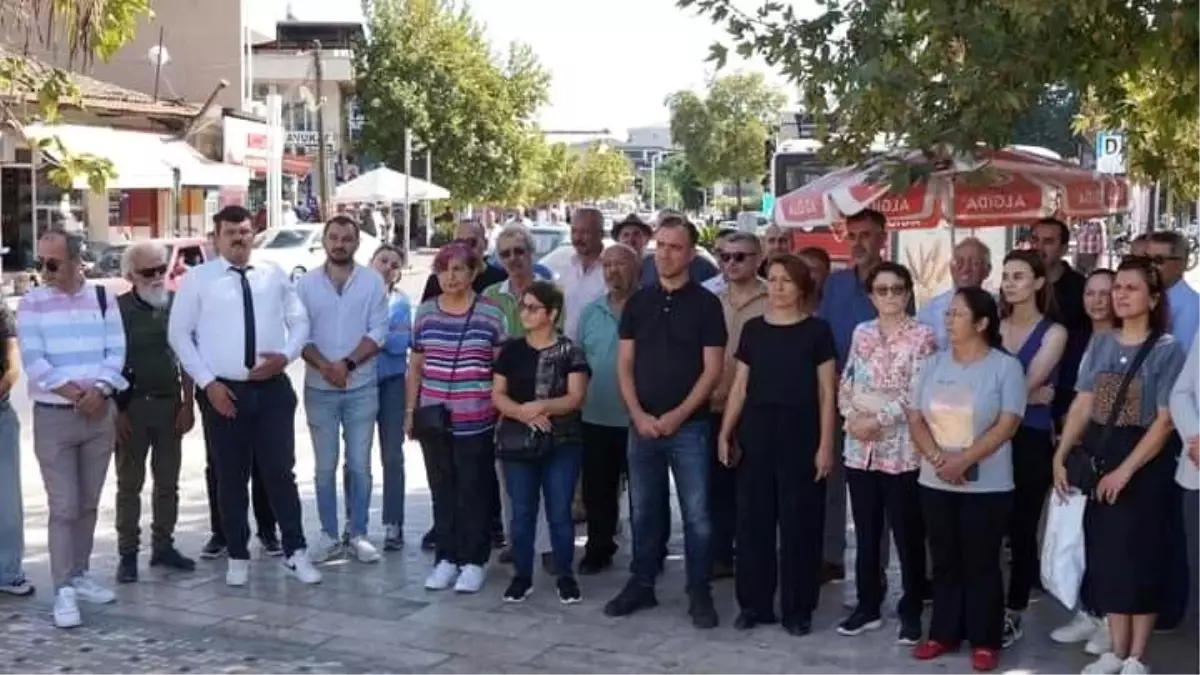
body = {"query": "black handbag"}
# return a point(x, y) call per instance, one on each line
point(519, 442)
point(1086, 463)
point(432, 422)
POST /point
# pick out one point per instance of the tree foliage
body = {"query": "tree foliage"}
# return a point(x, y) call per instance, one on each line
point(82, 31)
point(1051, 123)
point(954, 74)
point(724, 133)
point(599, 172)
point(684, 185)
point(428, 67)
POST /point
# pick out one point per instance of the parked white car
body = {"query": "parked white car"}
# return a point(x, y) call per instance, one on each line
point(297, 248)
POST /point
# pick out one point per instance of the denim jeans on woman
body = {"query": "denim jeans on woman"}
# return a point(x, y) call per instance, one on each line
point(391, 447)
point(12, 515)
point(333, 414)
point(553, 476)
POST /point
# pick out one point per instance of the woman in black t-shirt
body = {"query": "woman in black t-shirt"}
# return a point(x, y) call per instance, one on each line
point(538, 388)
point(782, 409)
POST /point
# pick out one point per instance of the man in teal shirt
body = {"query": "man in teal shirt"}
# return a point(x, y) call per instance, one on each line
point(605, 420)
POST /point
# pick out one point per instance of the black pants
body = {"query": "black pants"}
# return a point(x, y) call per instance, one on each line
point(722, 500)
point(965, 531)
point(462, 481)
point(264, 520)
point(878, 499)
point(1033, 474)
point(262, 434)
point(603, 463)
point(777, 496)
point(1177, 591)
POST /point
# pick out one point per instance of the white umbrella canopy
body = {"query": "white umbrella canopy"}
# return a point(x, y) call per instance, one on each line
point(387, 185)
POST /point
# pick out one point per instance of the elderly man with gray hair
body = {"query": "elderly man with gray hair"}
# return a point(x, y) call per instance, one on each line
point(970, 266)
point(154, 413)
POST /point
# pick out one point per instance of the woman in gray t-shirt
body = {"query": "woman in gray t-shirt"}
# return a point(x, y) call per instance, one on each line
point(968, 404)
point(1126, 531)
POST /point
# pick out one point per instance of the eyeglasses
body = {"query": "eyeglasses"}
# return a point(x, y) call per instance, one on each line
point(1162, 259)
point(529, 307)
point(48, 264)
point(733, 256)
point(894, 290)
point(152, 272)
point(515, 252)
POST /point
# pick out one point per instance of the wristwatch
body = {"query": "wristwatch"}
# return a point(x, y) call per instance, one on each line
point(351, 364)
point(105, 388)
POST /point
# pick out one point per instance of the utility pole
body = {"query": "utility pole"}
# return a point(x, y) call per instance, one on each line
point(322, 152)
point(407, 190)
point(428, 203)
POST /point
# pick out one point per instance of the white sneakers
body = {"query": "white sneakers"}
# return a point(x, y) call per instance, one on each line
point(442, 577)
point(1084, 627)
point(1111, 664)
point(470, 579)
point(66, 608)
point(237, 572)
point(88, 589)
point(363, 550)
point(1101, 641)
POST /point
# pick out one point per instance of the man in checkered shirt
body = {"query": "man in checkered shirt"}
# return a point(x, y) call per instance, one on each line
point(1089, 244)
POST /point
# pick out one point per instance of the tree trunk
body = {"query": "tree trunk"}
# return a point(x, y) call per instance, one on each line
point(738, 189)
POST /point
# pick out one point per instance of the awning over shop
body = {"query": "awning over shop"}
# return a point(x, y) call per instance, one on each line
point(141, 160)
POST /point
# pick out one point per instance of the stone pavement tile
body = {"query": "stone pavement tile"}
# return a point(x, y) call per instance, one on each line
point(469, 665)
point(444, 616)
point(393, 658)
point(357, 604)
point(347, 625)
point(164, 594)
point(487, 648)
point(570, 659)
point(152, 614)
point(266, 613)
point(246, 628)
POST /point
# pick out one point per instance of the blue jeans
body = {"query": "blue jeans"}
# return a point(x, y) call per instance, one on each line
point(554, 476)
point(391, 447)
point(12, 516)
point(353, 414)
point(685, 454)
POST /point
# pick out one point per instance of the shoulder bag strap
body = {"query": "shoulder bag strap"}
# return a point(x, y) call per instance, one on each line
point(1123, 389)
point(462, 336)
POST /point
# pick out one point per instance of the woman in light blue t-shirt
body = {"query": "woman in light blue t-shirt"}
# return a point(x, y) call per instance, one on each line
point(967, 405)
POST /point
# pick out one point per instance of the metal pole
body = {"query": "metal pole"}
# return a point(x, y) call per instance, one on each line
point(158, 62)
point(653, 187)
point(407, 209)
point(322, 151)
point(1154, 212)
point(274, 158)
point(428, 203)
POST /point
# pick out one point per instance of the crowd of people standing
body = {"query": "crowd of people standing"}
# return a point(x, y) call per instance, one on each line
point(769, 390)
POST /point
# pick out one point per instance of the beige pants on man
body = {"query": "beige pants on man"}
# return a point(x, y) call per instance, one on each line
point(73, 453)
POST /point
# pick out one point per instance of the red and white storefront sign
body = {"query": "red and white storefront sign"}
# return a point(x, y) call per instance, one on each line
point(246, 143)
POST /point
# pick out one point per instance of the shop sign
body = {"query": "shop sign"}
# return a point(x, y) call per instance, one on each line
point(246, 143)
point(307, 140)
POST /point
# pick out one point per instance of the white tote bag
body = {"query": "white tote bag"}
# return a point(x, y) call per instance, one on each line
point(1063, 559)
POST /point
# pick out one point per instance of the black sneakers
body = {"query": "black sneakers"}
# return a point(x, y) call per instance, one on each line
point(634, 597)
point(860, 622)
point(700, 607)
point(568, 591)
point(171, 557)
point(518, 590)
point(127, 571)
point(215, 548)
point(910, 632)
point(594, 564)
point(1012, 629)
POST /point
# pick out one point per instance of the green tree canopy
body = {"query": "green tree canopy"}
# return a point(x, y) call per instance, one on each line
point(956, 74)
point(724, 133)
point(428, 67)
point(598, 173)
point(82, 30)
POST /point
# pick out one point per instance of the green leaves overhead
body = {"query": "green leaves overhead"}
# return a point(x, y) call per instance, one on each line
point(960, 73)
point(428, 67)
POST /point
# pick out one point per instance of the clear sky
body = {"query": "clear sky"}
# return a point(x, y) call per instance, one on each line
point(613, 62)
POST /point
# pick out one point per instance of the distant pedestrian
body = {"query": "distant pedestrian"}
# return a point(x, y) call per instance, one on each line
point(71, 383)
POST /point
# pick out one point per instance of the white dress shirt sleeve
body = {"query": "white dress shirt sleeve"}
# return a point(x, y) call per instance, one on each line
point(1184, 410)
point(295, 316)
point(181, 329)
point(378, 319)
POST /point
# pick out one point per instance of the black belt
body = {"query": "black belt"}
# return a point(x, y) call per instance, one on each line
point(250, 383)
point(54, 406)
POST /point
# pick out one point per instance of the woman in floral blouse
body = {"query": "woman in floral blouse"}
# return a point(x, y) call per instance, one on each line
point(886, 355)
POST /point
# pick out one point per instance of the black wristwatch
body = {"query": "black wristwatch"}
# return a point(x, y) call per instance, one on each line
point(351, 364)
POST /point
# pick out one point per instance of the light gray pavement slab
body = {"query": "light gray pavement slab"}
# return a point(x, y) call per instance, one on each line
point(378, 618)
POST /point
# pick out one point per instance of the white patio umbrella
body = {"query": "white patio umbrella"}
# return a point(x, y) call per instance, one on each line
point(387, 185)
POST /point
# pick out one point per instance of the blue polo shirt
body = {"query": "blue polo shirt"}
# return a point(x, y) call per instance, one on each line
point(845, 303)
point(1184, 304)
point(599, 338)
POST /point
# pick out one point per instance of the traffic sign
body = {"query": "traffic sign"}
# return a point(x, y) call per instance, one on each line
point(768, 205)
point(1110, 152)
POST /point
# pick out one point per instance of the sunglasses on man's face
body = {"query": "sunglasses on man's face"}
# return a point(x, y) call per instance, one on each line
point(733, 256)
point(152, 272)
point(515, 252)
point(48, 264)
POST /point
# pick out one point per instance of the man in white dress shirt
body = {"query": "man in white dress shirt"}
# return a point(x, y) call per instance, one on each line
point(971, 264)
point(582, 281)
point(238, 358)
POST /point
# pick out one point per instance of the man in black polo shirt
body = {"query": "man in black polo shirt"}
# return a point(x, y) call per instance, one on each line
point(1051, 238)
point(670, 357)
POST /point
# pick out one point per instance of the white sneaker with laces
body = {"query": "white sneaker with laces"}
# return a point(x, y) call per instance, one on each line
point(66, 608)
point(299, 566)
point(237, 572)
point(470, 580)
point(1107, 664)
point(442, 577)
point(1101, 641)
point(1079, 629)
point(363, 550)
point(327, 548)
point(1133, 666)
point(88, 589)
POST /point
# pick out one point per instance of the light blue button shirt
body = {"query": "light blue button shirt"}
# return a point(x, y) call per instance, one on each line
point(599, 339)
point(1184, 304)
point(339, 321)
point(933, 314)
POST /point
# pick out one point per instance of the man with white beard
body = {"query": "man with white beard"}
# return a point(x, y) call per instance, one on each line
point(155, 412)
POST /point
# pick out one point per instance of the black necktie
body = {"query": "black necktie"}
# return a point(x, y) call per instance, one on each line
point(247, 316)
